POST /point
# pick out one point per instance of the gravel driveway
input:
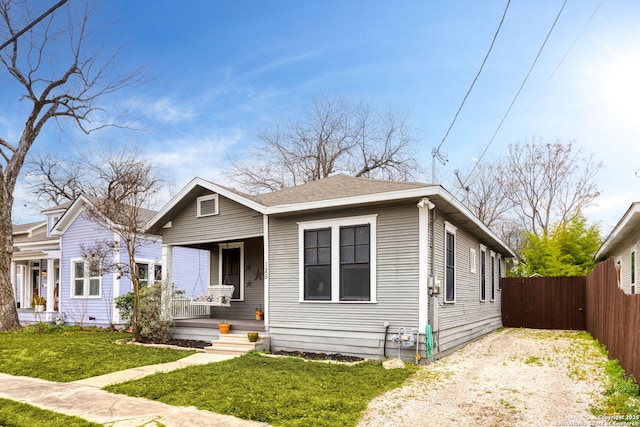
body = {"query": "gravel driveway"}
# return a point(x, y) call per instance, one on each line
point(513, 377)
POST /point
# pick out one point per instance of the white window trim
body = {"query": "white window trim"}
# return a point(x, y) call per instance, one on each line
point(450, 228)
point(86, 281)
point(334, 225)
point(201, 199)
point(240, 245)
point(501, 271)
point(472, 260)
point(493, 275)
point(151, 265)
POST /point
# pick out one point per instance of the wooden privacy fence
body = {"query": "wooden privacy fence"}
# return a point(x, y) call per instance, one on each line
point(544, 302)
point(594, 303)
point(613, 317)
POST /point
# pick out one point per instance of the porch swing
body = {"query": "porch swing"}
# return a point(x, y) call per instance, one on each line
point(214, 295)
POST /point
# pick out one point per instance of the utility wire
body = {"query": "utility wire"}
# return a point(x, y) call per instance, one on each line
point(521, 86)
point(584, 27)
point(484, 61)
point(28, 27)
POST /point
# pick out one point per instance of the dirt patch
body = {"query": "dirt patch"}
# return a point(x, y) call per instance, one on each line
point(177, 342)
point(319, 356)
point(515, 377)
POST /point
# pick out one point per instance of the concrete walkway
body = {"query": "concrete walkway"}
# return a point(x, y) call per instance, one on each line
point(84, 399)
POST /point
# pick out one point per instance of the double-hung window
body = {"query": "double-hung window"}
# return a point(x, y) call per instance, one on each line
point(337, 259)
point(450, 263)
point(483, 273)
point(86, 280)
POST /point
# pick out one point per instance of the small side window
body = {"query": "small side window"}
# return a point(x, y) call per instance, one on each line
point(207, 205)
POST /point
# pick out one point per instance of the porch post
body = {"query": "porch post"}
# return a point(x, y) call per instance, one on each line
point(167, 266)
point(14, 285)
point(51, 284)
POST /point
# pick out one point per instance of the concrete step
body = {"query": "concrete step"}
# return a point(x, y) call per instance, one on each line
point(238, 343)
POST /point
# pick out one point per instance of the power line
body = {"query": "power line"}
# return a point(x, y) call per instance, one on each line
point(484, 61)
point(522, 85)
point(28, 27)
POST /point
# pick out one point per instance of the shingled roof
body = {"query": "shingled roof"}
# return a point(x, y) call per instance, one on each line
point(334, 187)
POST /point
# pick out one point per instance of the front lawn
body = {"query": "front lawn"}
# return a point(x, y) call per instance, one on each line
point(16, 414)
point(66, 354)
point(279, 391)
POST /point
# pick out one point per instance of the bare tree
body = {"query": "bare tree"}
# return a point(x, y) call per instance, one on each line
point(488, 195)
point(333, 136)
point(53, 180)
point(533, 187)
point(58, 80)
point(121, 189)
point(550, 183)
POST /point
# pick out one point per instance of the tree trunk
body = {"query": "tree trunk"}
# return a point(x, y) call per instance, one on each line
point(8, 311)
point(135, 284)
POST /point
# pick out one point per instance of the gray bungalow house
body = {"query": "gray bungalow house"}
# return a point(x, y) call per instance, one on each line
point(344, 264)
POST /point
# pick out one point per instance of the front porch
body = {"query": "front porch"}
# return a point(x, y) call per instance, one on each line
point(28, 316)
point(206, 329)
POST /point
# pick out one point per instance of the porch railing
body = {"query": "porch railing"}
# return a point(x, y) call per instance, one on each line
point(183, 309)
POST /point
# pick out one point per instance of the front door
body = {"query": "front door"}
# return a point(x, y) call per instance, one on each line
point(231, 270)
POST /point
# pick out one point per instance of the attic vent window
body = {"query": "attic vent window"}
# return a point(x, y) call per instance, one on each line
point(207, 205)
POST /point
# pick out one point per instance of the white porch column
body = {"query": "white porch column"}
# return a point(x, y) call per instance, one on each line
point(14, 284)
point(167, 266)
point(51, 284)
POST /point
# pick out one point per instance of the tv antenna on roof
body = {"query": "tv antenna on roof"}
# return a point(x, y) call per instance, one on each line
point(436, 154)
point(466, 183)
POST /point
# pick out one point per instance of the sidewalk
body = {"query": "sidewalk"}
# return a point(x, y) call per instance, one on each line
point(84, 399)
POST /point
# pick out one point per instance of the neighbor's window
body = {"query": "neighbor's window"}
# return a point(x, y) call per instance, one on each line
point(633, 267)
point(85, 279)
point(337, 259)
point(450, 263)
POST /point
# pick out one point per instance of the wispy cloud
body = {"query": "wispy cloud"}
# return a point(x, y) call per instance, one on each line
point(163, 110)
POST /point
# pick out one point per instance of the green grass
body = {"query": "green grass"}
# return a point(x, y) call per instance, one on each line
point(622, 396)
point(66, 354)
point(16, 414)
point(279, 391)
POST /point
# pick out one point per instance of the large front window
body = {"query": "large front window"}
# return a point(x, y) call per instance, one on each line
point(85, 279)
point(337, 260)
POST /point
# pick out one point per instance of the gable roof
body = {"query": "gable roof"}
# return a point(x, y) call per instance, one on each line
point(628, 225)
point(332, 192)
point(77, 206)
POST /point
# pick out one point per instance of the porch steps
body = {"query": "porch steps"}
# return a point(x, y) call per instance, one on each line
point(237, 343)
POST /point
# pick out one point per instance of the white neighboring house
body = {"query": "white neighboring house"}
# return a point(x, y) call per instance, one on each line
point(622, 245)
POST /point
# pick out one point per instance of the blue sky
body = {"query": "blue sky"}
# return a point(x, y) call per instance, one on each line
point(220, 72)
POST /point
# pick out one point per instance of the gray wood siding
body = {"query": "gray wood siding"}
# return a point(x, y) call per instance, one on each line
point(253, 279)
point(343, 326)
point(468, 318)
point(234, 221)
